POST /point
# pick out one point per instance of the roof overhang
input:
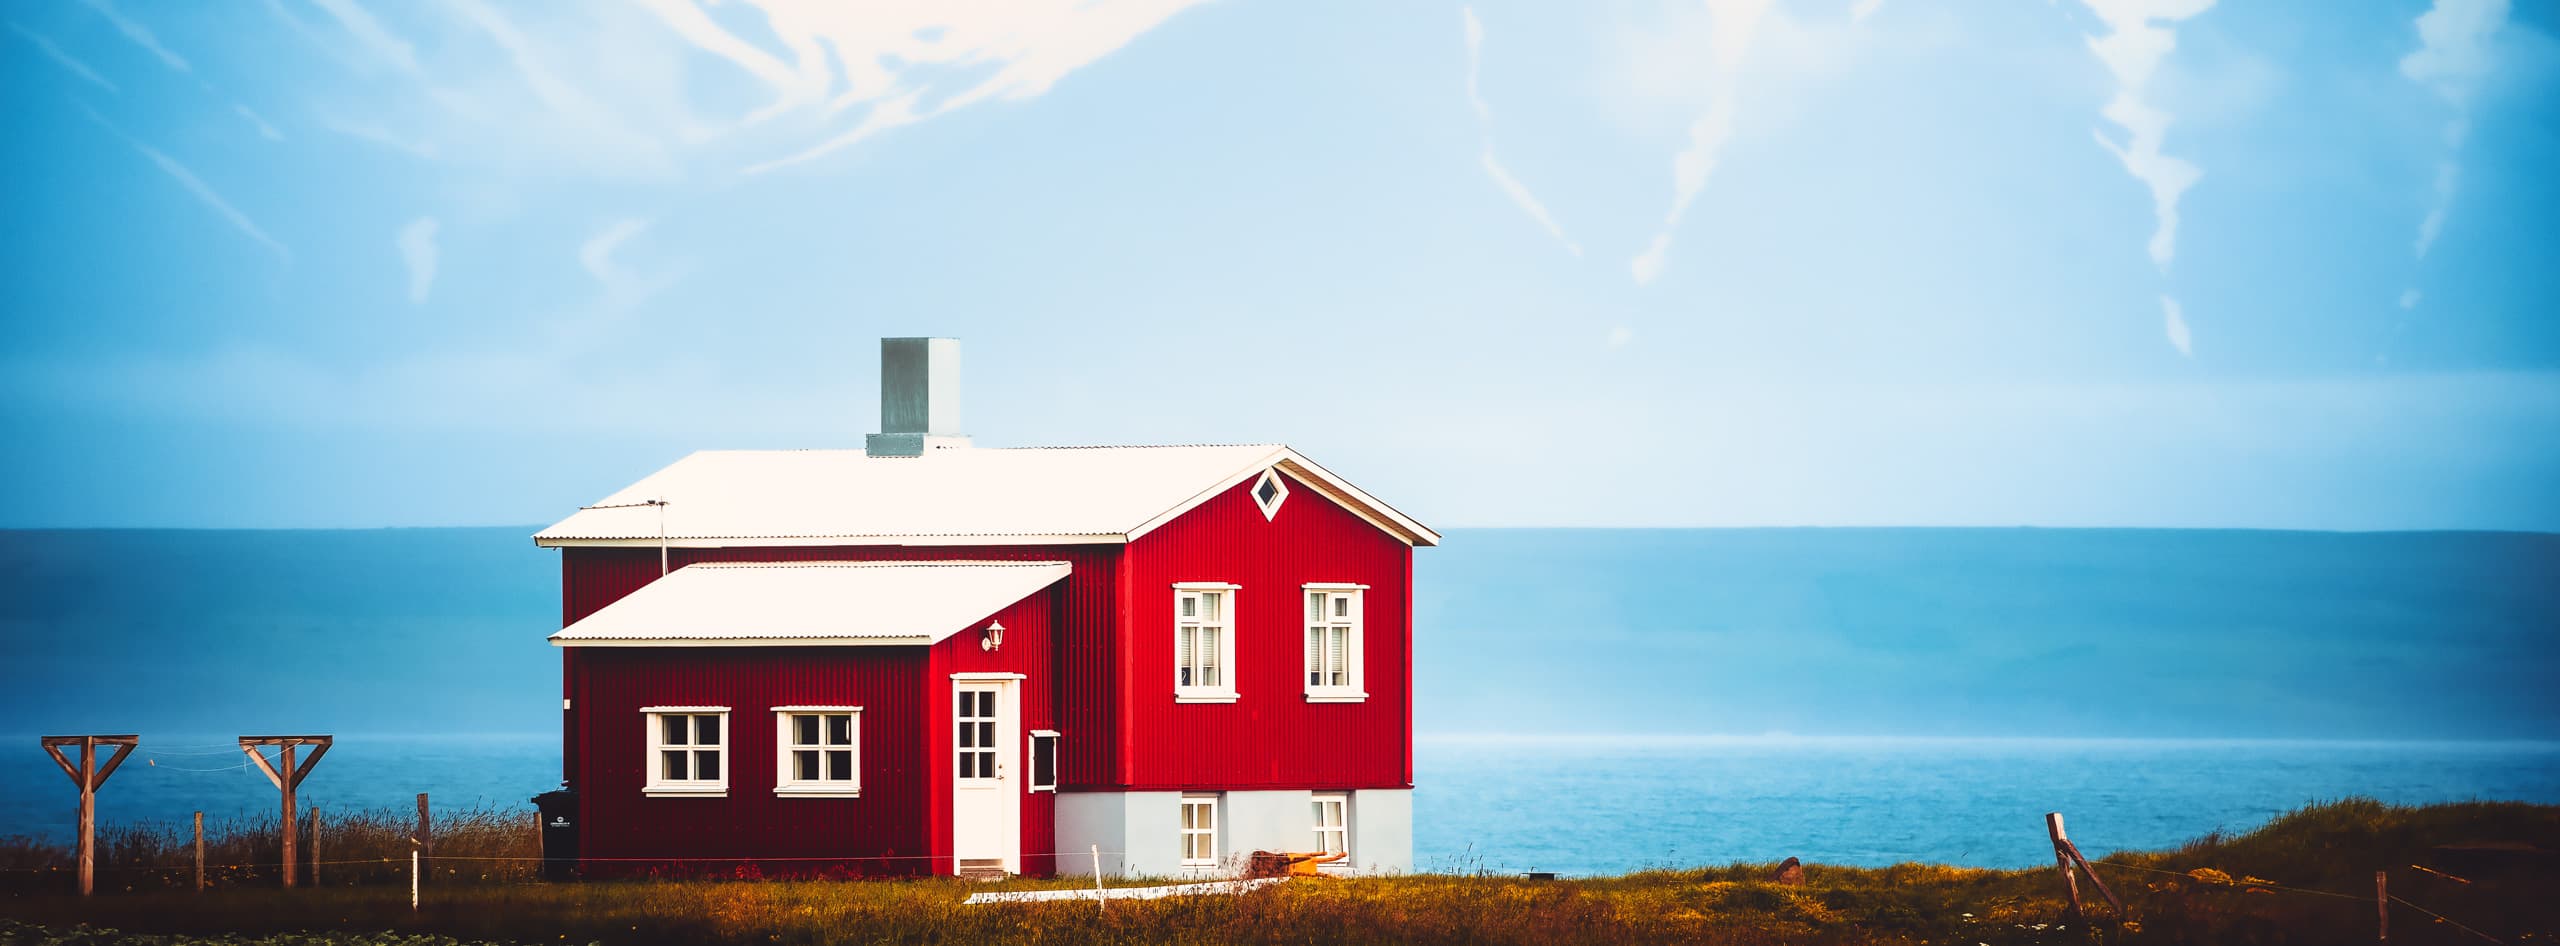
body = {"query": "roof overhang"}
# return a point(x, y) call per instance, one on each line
point(810, 604)
point(1305, 471)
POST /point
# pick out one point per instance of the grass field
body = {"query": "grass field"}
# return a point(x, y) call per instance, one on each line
point(2307, 877)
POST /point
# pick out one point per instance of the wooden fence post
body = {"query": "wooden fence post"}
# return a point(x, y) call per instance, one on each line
point(315, 845)
point(2382, 907)
point(426, 831)
point(199, 852)
point(2062, 859)
point(89, 775)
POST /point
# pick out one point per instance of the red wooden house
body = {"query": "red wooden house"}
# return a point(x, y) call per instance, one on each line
point(929, 657)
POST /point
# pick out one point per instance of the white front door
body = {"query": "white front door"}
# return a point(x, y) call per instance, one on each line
point(986, 792)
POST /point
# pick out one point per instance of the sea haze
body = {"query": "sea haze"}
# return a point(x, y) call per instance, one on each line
point(1593, 700)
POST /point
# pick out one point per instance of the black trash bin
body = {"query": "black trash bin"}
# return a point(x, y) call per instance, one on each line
point(559, 833)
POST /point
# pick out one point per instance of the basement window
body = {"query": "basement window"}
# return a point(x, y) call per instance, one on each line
point(1333, 831)
point(821, 751)
point(1269, 492)
point(1199, 831)
point(688, 750)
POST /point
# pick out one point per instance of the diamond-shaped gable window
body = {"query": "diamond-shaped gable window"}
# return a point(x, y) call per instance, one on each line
point(1269, 492)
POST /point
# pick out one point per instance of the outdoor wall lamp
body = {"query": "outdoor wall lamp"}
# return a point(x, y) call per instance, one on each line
point(994, 638)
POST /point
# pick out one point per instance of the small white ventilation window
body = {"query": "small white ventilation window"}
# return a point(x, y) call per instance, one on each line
point(1269, 492)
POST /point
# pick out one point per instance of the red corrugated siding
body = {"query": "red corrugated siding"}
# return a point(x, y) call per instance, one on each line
point(1084, 661)
point(1271, 737)
point(1028, 651)
point(888, 821)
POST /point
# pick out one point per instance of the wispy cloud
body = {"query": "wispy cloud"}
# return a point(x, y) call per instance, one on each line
point(1732, 24)
point(1493, 168)
point(1864, 9)
point(213, 199)
point(2409, 298)
point(900, 64)
point(2174, 323)
point(265, 129)
point(2140, 34)
point(63, 59)
point(140, 35)
point(378, 41)
point(417, 243)
point(623, 286)
point(2453, 57)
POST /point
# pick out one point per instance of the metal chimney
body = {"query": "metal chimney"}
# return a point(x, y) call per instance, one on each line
point(919, 398)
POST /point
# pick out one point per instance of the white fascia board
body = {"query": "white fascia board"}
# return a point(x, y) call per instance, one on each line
point(901, 641)
point(1250, 471)
point(1415, 533)
point(986, 676)
point(722, 542)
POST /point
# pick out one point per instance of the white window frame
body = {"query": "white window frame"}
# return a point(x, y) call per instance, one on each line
point(653, 784)
point(1332, 838)
point(1207, 859)
point(1031, 764)
point(1224, 691)
point(786, 742)
point(1279, 493)
point(1352, 626)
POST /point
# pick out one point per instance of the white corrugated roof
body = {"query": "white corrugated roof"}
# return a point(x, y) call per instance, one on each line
point(966, 495)
point(812, 603)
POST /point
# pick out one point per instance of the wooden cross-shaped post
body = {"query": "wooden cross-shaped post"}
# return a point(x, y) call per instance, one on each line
point(89, 775)
point(287, 777)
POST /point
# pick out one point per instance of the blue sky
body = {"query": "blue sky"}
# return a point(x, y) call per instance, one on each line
point(1882, 262)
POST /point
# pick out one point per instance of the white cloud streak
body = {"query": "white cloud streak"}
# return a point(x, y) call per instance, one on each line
point(1502, 177)
point(65, 60)
point(1732, 24)
point(892, 60)
point(378, 41)
point(265, 129)
point(2453, 58)
point(205, 192)
point(140, 35)
point(2174, 323)
point(1864, 9)
point(417, 243)
point(2141, 33)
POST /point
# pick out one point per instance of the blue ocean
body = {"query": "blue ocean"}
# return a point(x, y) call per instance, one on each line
point(1591, 701)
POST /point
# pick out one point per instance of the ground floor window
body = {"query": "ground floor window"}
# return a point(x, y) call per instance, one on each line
point(1333, 836)
point(1199, 830)
point(821, 751)
point(1044, 760)
point(688, 749)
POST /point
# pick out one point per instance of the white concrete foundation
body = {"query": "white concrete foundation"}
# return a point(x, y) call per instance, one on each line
point(1140, 833)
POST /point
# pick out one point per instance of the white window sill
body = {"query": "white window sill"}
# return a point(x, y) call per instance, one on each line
point(1204, 697)
point(664, 791)
point(817, 791)
point(1337, 697)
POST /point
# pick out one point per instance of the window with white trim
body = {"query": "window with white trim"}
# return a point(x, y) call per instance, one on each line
point(1203, 640)
point(1333, 832)
point(688, 750)
point(1044, 761)
point(1269, 492)
point(1333, 642)
point(1199, 830)
point(821, 750)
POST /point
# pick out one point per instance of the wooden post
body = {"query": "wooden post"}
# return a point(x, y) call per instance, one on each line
point(1100, 898)
point(315, 845)
point(89, 775)
point(2062, 859)
point(2382, 907)
point(426, 831)
point(286, 778)
point(413, 879)
point(199, 852)
point(2094, 879)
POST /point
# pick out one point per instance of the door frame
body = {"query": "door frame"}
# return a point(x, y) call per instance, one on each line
point(1010, 780)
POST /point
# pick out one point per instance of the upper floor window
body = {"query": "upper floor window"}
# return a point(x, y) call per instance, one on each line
point(1203, 640)
point(1269, 492)
point(821, 752)
point(1333, 642)
point(688, 750)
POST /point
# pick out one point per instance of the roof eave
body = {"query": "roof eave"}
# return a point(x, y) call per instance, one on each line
point(904, 640)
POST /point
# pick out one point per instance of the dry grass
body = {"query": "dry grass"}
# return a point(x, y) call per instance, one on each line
point(2326, 847)
point(355, 848)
